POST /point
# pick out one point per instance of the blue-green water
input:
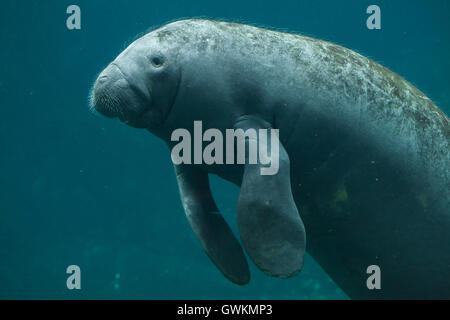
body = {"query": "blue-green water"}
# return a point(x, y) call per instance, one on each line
point(81, 189)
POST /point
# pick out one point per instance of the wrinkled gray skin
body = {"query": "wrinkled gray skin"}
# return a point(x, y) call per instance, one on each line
point(364, 154)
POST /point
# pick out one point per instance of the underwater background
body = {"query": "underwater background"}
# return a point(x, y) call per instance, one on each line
point(76, 188)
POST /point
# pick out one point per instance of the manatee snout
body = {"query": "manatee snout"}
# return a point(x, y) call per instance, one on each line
point(115, 96)
point(108, 91)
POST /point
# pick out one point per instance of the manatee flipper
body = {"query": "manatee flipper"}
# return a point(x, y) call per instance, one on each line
point(209, 226)
point(270, 227)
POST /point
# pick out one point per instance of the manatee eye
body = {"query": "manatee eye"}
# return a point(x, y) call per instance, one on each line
point(157, 61)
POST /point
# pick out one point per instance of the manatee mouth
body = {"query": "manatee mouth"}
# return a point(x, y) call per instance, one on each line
point(114, 96)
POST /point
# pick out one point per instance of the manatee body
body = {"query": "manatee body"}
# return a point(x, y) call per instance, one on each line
point(364, 160)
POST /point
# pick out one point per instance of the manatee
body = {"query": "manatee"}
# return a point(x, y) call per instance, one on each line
point(363, 160)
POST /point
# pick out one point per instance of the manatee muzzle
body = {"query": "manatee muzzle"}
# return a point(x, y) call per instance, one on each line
point(114, 96)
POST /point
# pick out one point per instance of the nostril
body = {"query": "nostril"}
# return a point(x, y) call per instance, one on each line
point(102, 79)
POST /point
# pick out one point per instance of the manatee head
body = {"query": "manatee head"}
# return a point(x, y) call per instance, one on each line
point(140, 86)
